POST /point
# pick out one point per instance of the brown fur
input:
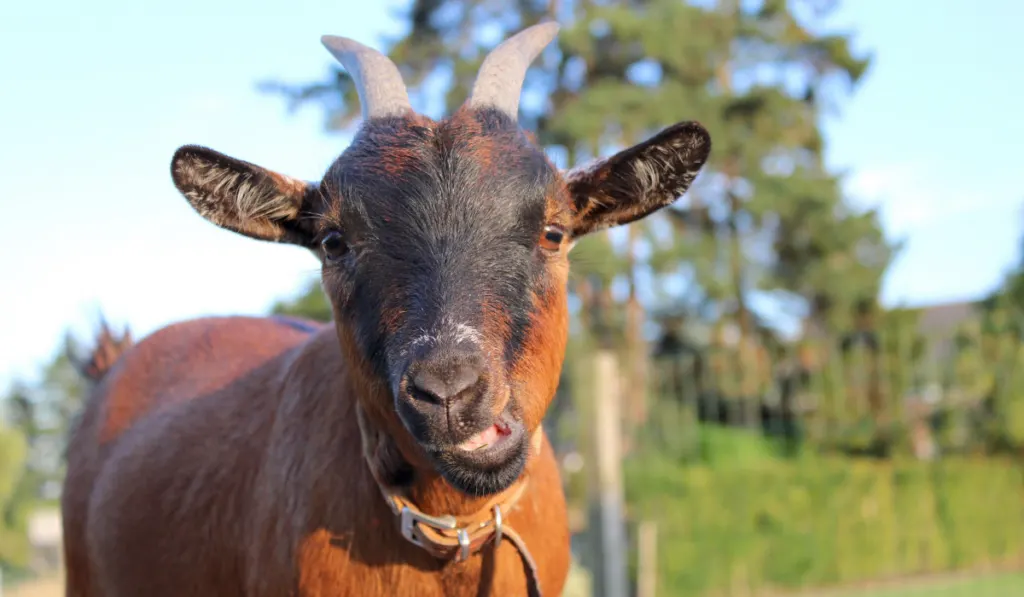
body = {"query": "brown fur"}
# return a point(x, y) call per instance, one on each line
point(249, 475)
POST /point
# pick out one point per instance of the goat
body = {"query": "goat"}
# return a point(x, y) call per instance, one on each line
point(399, 449)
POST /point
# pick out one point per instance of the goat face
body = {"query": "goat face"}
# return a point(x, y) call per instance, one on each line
point(444, 249)
point(451, 282)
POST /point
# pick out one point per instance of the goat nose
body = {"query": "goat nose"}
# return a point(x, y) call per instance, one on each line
point(444, 375)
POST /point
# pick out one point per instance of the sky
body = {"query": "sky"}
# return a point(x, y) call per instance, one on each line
point(95, 99)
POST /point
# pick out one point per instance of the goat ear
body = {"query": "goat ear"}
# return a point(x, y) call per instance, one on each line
point(638, 181)
point(243, 197)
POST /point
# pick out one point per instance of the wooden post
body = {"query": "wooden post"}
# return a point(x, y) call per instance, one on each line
point(647, 559)
point(611, 578)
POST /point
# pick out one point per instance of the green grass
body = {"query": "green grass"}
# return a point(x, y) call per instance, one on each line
point(1005, 585)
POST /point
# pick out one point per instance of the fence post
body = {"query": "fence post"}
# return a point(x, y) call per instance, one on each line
point(647, 558)
point(610, 580)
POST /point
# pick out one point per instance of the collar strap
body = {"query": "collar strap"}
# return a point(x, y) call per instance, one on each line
point(450, 537)
point(457, 538)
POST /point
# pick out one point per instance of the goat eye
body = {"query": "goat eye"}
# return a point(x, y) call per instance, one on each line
point(551, 239)
point(333, 245)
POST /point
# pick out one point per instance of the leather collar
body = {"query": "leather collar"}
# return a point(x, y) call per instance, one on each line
point(456, 538)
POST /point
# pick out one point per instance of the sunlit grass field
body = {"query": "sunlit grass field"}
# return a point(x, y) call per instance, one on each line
point(999, 585)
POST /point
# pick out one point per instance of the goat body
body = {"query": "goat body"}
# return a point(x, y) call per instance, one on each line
point(222, 456)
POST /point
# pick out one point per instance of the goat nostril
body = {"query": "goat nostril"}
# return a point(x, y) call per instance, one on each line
point(443, 382)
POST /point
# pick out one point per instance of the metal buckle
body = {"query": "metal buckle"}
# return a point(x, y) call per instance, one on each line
point(410, 518)
point(446, 523)
point(463, 546)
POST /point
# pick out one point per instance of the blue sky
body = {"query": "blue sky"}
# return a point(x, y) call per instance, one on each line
point(96, 98)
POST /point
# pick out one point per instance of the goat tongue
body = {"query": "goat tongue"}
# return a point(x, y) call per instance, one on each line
point(485, 438)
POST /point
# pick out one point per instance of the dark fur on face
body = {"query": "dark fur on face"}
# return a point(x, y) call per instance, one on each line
point(439, 260)
point(441, 220)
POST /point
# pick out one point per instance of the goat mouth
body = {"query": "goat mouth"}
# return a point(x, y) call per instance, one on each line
point(488, 461)
point(491, 437)
point(492, 446)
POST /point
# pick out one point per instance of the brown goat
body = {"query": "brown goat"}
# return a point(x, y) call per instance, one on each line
point(398, 451)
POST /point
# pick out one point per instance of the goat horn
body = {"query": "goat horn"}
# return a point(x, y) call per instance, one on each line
point(381, 89)
point(500, 80)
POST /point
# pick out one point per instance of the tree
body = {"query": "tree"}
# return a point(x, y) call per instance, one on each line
point(44, 414)
point(999, 343)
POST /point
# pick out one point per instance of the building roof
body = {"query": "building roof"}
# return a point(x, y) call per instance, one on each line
point(944, 319)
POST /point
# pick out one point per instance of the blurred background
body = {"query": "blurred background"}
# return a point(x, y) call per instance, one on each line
point(801, 378)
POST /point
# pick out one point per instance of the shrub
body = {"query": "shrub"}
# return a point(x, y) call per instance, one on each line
point(818, 521)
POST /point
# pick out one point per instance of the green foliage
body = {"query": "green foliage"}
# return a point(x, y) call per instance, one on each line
point(984, 372)
point(13, 541)
point(871, 393)
point(44, 413)
point(734, 448)
point(991, 352)
point(594, 258)
point(980, 585)
point(310, 303)
point(824, 521)
point(673, 432)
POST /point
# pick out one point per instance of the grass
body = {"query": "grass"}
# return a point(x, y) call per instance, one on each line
point(1001, 585)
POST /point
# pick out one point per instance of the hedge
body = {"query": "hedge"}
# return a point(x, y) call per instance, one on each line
point(816, 522)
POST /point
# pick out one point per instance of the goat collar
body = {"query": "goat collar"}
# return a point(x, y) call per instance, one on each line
point(458, 537)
